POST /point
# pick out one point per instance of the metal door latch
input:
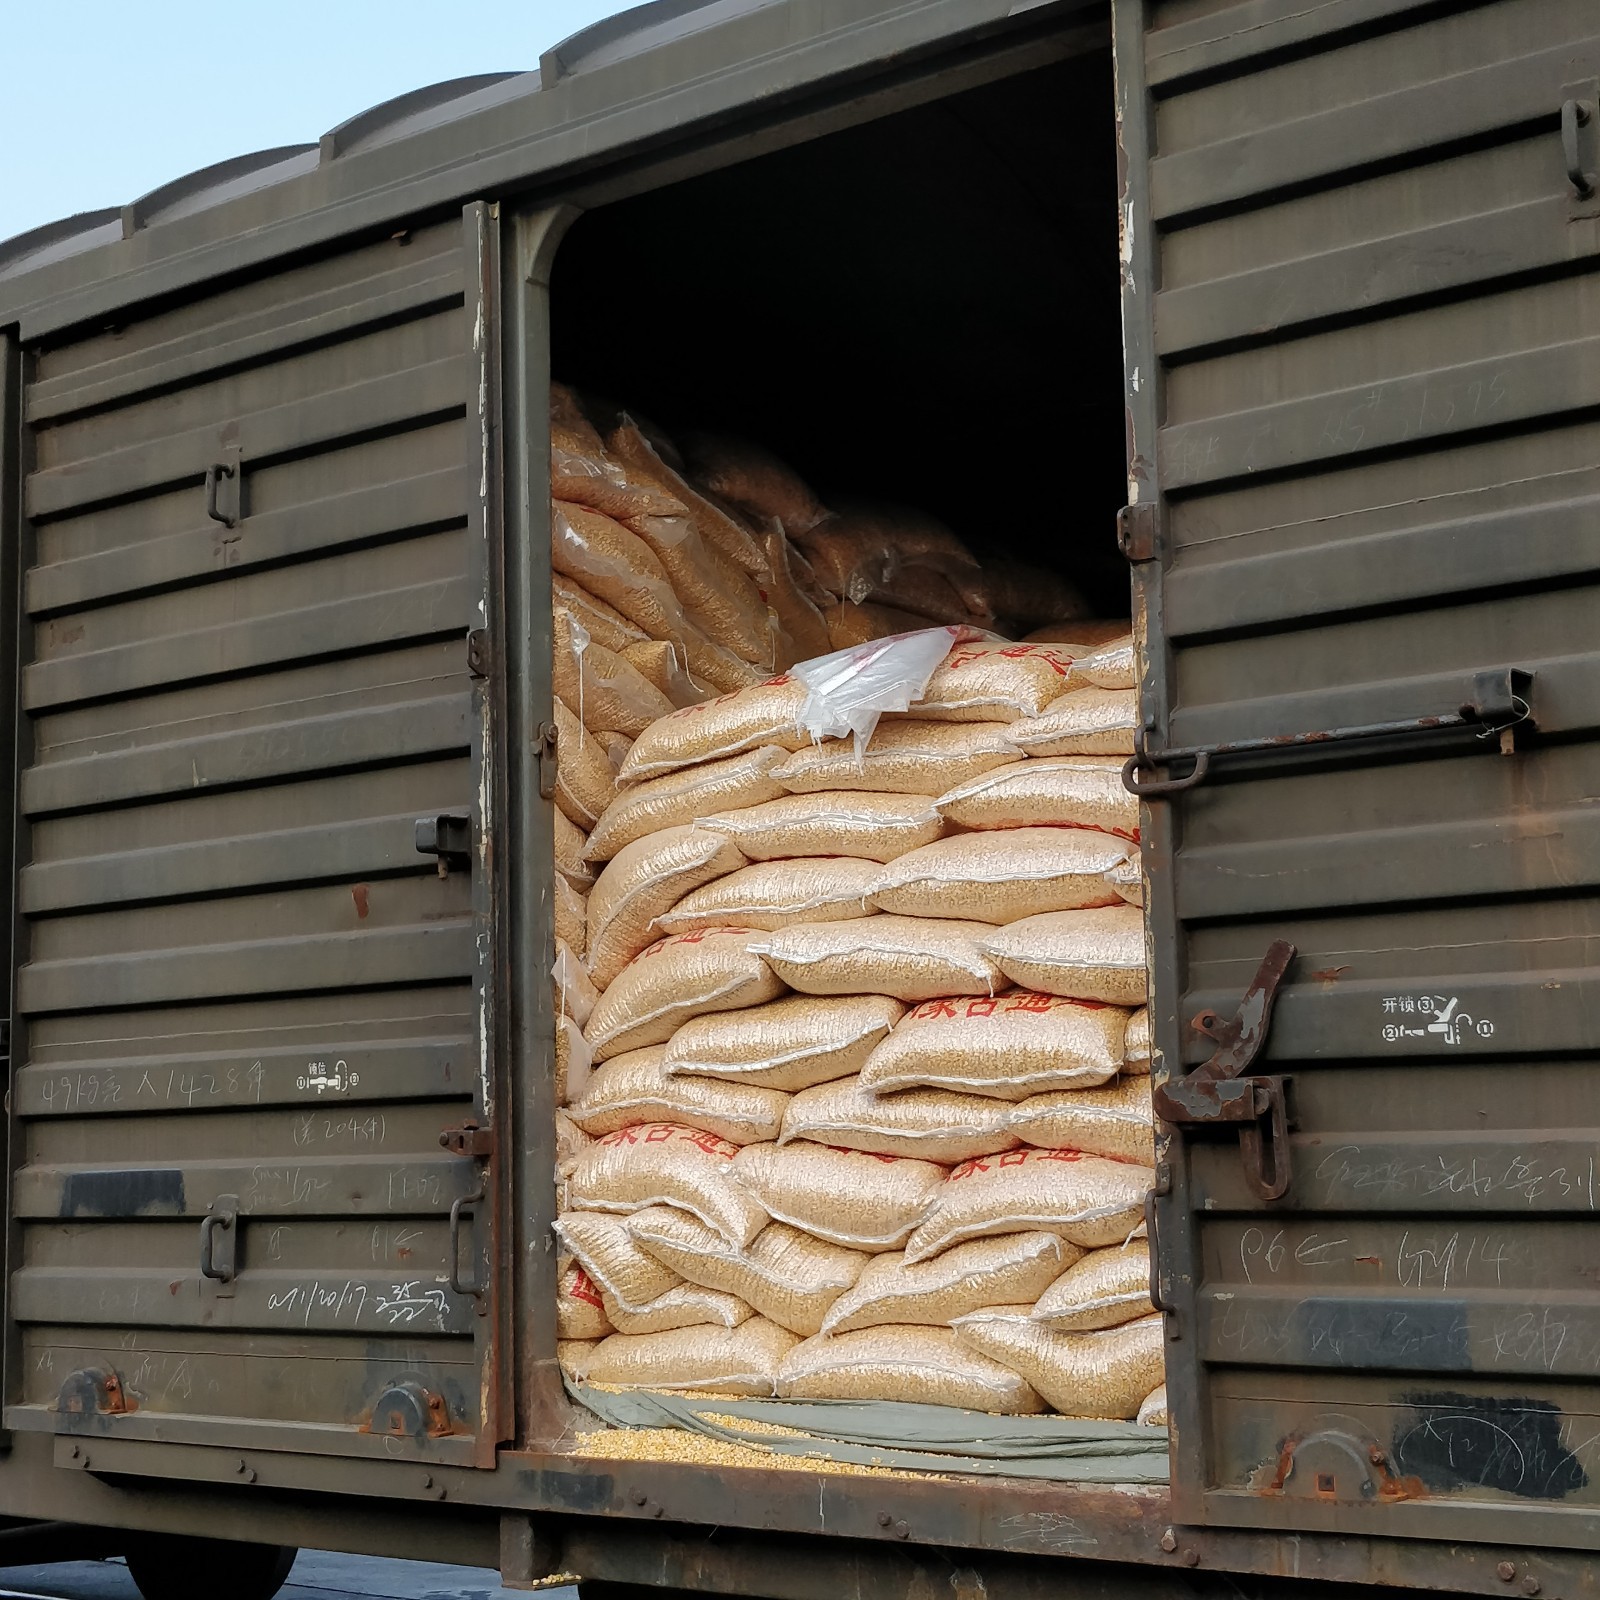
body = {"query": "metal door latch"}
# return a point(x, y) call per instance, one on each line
point(219, 1243)
point(1575, 116)
point(1218, 1093)
point(470, 1140)
point(549, 759)
point(449, 838)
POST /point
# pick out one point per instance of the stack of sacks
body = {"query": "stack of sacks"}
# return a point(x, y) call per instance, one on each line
point(849, 1138)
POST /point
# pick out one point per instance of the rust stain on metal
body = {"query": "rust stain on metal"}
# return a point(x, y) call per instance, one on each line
point(1329, 974)
point(359, 892)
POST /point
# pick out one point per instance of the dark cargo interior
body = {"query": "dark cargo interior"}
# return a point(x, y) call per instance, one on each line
point(790, 299)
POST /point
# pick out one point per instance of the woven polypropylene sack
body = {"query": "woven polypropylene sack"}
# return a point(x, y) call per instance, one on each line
point(986, 682)
point(1016, 596)
point(687, 1306)
point(571, 1140)
point(715, 666)
point(927, 1366)
point(663, 1164)
point(617, 565)
point(1103, 1375)
point(675, 980)
point(741, 1361)
point(908, 958)
point(571, 916)
point(923, 758)
point(832, 822)
point(1114, 1120)
point(1002, 876)
point(850, 624)
point(570, 844)
point(1136, 1045)
point(644, 463)
point(576, 995)
point(864, 1202)
point(1128, 879)
point(752, 479)
point(1153, 1408)
point(574, 1355)
point(1103, 1290)
point(605, 623)
point(1087, 1199)
point(1009, 1046)
point(789, 1044)
point(1050, 792)
point(574, 1060)
point(644, 879)
point(1012, 1270)
point(714, 590)
point(661, 663)
point(931, 1124)
point(851, 549)
point(1095, 954)
point(800, 620)
point(580, 1310)
point(1082, 636)
point(634, 1088)
point(789, 1276)
point(1115, 665)
point(766, 714)
point(585, 778)
point(626, 1275)
point(774, 894)
point(1083, 722)
point(676, 799)
point(606, 692)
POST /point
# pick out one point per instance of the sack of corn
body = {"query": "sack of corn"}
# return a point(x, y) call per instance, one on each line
point(1114, 1120)
point(635, 1087)
point(830, 822)
point(1047, 792)
point(930, 1124)
point(789, 1276)
point(765, 714)
point(923, 758)
point(1105, 1374)
point(663, 1164)
point(1088, 1200)
point(1014, 1269)
point(675, 980)
point(1082, 722)
point(1136, 1045)
point(1010, 1045)
point(865, 1202)
point(789, 1044)
point(1153, 1408)
point(585, 778)
point(1092, 954)
point(988, 682)
point(687, 1306)
point(1105, 1289)
point(1115, 665)
point(752, 480)
point(908, 958)
point(775, 894)
point(926, 1366)
point(580, 1311)
point(617, 566)
point(625, 1275)
point(741, 1361)
point(676, 799)
point(604, 690)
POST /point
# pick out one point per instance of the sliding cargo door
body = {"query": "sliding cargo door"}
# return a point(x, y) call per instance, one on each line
point(1364, 352)
point(255, 1198)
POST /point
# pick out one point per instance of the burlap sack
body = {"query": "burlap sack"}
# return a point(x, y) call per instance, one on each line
point(788, 1044)
point(1083, 722)
point(740, 1361)
point(643, 880)
point(1114, 1120)
point(634, 1088)
point(931, 1124)
point(1014, 1269)
point(836, 822)
point(752, 480)
point(1103, 1375)
point(789, 1277)
point(676, 799)
point(662, 1164)
point(927, 1366)
point(626, 1275)
point(1049, 792)
point(1001, 876)
point(608, 560)
point(1010, 1046)
point(1086, 1199)
point(864, 1202)
point(909, 958)
point(923, 758)
point(767, 714)
point(773, 894)
point(675, 980)
point(1095, 954)
point(1103, 1290)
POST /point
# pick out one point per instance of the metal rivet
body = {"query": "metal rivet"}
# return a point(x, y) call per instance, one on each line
point(902, 1531)
point(439, 1493)
point(639, 1497)
point(427, 1482)
point(243, 1465)
point(251, 1475)
point(1505, 1572)
point(76, 1452)
point(658, 1511)
point(1169, 1541)
point(884, 1519)
point(1190, 1558)
point(1376, 1456)
point(1530, 1586)
point(86, 1461)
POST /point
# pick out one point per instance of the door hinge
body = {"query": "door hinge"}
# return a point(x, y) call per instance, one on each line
point(1139, 529)
point(470, 1140)
point(549, 759)
point(479, 655)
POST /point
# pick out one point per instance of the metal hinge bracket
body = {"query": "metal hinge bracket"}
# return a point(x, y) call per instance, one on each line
point(469, 1140)
point(479, 656)
point(549, 759)
point(449, 837)
point(1139, 531)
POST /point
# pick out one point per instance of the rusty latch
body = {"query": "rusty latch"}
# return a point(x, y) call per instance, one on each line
point(1139, 531)
point(469, 1140)
point(1218, 1093)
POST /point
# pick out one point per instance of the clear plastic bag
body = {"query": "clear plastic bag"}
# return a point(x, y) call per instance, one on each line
point(847, 691)
point(605, 691)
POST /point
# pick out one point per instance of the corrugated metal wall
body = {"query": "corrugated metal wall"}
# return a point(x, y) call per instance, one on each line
point(239, 977)
point(1379, 335)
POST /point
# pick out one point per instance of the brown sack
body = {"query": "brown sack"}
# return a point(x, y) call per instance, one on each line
point(752, 479)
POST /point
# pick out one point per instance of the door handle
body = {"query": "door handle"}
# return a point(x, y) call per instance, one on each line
point(222, 493)
point(219, 1242)
point(1575, 115)
point(459, 1207)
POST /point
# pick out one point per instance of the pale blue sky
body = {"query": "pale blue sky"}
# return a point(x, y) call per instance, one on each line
point(106, 99)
